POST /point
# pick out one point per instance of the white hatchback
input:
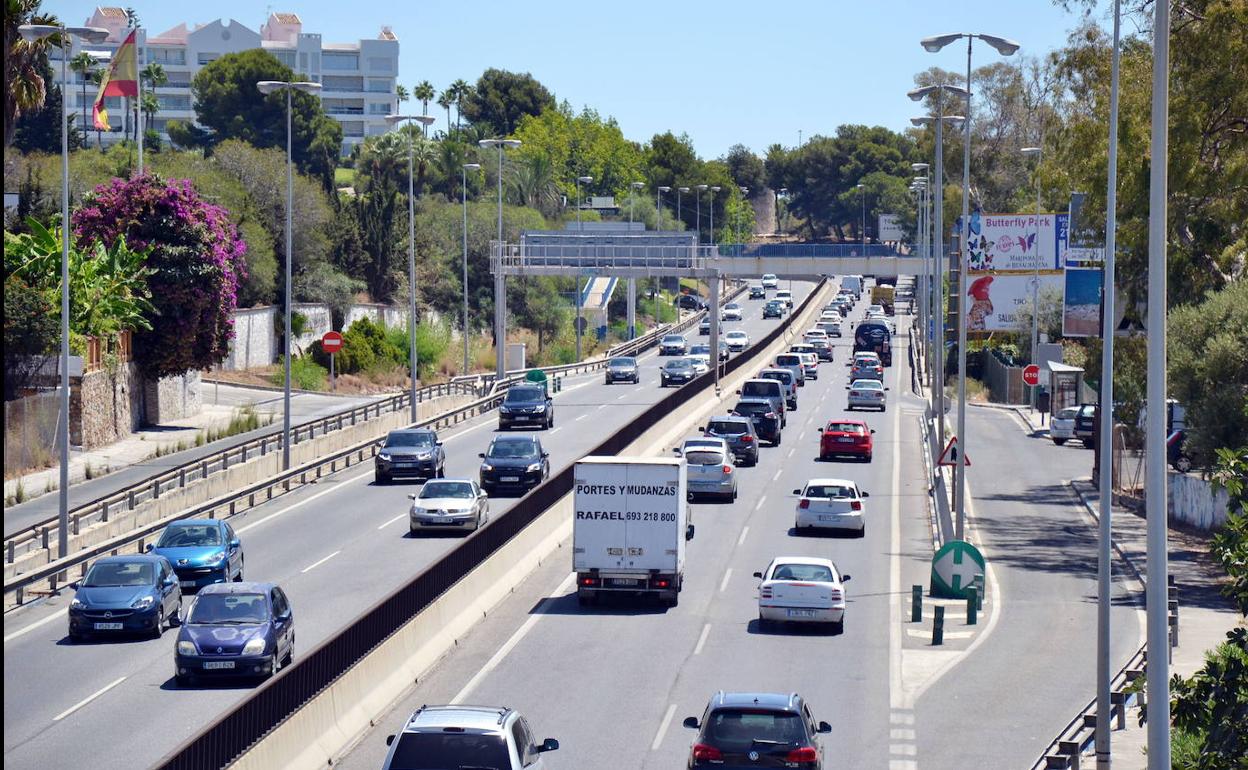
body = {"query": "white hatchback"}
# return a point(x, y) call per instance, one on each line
point(737, 340)
point(801, 589)
point(1062, 426)
point(831, 504)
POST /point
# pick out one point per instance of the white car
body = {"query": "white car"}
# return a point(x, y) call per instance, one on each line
point(831, 504)
point(875, 310)
point(801, 589)
point(866, 394)
point(785, 296)
point(810, 359)
point(830, 315)
point(831, 326)
point(737, 340)
point(770, 281)
point(701, 362)
point(731, 312)
point(1062, 426)
point(449, 504)
point(815, 333)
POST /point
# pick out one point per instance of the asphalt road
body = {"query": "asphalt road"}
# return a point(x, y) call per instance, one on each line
point(335, 547)
point(612, 683)
point(303, 407)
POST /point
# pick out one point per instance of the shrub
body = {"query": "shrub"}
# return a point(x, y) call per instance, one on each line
point(305, 374)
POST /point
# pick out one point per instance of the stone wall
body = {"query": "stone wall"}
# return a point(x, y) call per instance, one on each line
point(1195, 502)
point(319, 321)
point(390, 316)
point(172, 398)
point(105, 405)
point(255, 339)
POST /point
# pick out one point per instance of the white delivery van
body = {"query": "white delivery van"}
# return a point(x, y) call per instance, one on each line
point(630, 524)
point(852, 284)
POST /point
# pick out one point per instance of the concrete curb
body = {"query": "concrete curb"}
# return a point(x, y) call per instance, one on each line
point(1139, 575)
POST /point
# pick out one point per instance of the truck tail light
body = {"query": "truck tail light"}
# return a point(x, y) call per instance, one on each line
point(702, 751)
point(855, 506)
point(662, 583)
point(804, 754)
point(588, 580)
point(804, 503)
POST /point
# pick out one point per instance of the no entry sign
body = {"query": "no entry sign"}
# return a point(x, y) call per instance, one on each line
point(331, 342)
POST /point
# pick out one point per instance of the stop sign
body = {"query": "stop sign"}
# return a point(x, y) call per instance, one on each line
point(1031, 375)
point(331, 342)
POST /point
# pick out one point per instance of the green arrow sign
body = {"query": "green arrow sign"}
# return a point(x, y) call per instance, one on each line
point(535, 375)
point(954, 568)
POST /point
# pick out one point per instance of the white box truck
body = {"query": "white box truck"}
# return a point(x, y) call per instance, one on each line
point(631, 521)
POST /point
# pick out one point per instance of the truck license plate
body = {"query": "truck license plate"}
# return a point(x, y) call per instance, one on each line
point(107, 626)
point(625, 581)
point(801, 613)
point(218, 664)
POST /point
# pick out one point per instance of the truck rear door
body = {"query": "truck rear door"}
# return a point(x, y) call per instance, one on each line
point(655, 528)
point(600, 539)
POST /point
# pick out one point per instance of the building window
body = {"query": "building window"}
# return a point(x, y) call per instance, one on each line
point(379, 86)
point(170, 56)
point(174, 102)
point(339, 61)
point(285, 57)
point(380, 64)
point(303, 62)
point(379, 108)
point(207, 58)
point(352, 128)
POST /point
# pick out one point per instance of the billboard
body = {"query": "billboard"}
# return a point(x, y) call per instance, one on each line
point(1017, 241)
point(1081, 308)
point(890, 228)
point(994, 299)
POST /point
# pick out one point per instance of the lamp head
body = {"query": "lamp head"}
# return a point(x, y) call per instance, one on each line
point(714, 189)
point(637, 185)
point(919, 166)
point(511, 144)
point(664, 189)
point(1004, 45)
point(934, 43)
point(472, 167)
point(585, 179)
point(683, 189)
point(702, 187)
point(1031, 150)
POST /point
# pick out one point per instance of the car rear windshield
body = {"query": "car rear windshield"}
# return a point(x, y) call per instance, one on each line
point(446, 489)
point(749, 408)
point(519, 448)
point(788, 360)
point(761, 388)
point(739, 730)
point(785, 377)
point(673, 339)
point(120, 574)
point(1067, 414)
point(802, 572)
point(727, 428)
point(441, 750)
point(833, 491)
point(867, 385)
point(229, 609)
point(409, 439)
point(704, 457)
point(524, 394)
point(679, 363)
point(700, 350)
point(846, 427)
point(189, 536)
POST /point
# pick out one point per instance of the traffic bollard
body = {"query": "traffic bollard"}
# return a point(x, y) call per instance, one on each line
point(916, 604)
point(971, 606)
point(979, 591)
point(938, 626)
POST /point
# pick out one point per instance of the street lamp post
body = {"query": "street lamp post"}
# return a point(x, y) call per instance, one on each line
point(1035, 274)
point(34, 32)
point(500, 293)
point(779, 224)
point(862, 193)
point(711, 235)
point(1005, 47)
point(658, 206)
point(424, 120)
point(463, 189)
point(701, 189)
point(578, 323)
point(632, 196)
point(743, 220)
point(632, 282)
point(267, 87)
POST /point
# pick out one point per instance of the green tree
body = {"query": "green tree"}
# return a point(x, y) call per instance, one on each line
point(445, 100)
point(500, 98)
point(152, 76)
point(26, 73)
point(31, 331)
point(401, 95)
point(38, 129)
point(746, 168)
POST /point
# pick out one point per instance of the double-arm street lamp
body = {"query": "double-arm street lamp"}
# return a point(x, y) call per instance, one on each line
point(1035, 273)
point(580, 180)
point(424, 121)
point(32, 32)
point(267, 87)
point(500, 296)
point(701, 189)
point(463, 188)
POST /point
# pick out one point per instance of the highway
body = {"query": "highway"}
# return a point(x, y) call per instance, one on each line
point(335, 547)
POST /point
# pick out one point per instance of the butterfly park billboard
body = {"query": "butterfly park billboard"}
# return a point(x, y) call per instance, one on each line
point(1017, 242)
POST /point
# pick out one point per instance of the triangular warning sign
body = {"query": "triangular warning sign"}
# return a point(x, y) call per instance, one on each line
point(950, 455)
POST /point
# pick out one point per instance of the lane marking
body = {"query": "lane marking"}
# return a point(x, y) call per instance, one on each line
point(724, 583)
point(341, 485)
point(706, 630)
point(791, 451)
point(555, 430)
point(582, 417)
point(511, 643)
point(744, 531)
point(802, 437)
point(396, 518)
point(667, 720)
point(36, 624)
point(896, 695)
point(901, 733)
point(87, 699)
point(604, 406)
point(777, 476)
point(759, 505)
point(623, 396)
point(316, 564)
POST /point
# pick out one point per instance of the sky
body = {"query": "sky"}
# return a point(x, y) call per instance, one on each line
point(722, 71)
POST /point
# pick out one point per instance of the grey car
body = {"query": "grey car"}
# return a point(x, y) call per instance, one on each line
point(677, 372)
point(410, 452)
point(739, 433)
point(622, 369)
point(673, 345)
point(466, 737)
point(711, 472)
point(784, 377)
point(449, 505)
point(771, 390)
point(794, 363)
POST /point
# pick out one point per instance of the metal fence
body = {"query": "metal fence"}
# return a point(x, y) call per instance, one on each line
point(30, 432)
point(232, 733)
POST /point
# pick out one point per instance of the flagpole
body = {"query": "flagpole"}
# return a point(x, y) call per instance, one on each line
point(139, 117)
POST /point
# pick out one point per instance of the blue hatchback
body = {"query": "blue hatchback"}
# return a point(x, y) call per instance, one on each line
point(235, 630)
point(202, 552)
point(135, 593)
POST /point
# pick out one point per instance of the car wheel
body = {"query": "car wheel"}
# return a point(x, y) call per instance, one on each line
point(868, 457)
point(160, 623)
point(862, 532)
point(381, 478)
point(175, 619)
point(763, 624)
point(1059, 441)
point(442, 471)
point(779, 437)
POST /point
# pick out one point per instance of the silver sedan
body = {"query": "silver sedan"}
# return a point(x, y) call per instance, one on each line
point(449, 504)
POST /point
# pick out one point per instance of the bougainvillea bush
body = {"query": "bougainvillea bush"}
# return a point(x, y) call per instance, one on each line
point(197, 258)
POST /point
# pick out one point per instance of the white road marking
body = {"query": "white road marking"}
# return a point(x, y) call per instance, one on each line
point(554, 431)
point(724, 583)
point(802, 437)
point(510, 645)
point(623, 396)
point(396, 518)
point(582, 417)
point(337, 487)
point(316, 564)
point(759, 505)
point(667, 720)
point(604, 406)
point(896, 695)
point(899, 718)
point(777, 476)
point(87, 699)
point(744, 531)
point(706, 630)
point(36, 624)
point(791, 451)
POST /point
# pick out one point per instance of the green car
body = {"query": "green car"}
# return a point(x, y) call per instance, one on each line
point(773, 309)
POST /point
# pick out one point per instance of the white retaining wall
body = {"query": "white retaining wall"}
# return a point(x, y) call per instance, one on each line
point(1195, 502)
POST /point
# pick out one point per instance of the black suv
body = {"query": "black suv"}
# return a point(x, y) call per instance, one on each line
point(526, 405)
point(414, 452)
point(762, 412)
point(745, 729)
point(514, 462)
point(758, 292)
point(690, 302)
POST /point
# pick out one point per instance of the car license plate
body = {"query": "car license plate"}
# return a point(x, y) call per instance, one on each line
point(510, 478)
point(404, 465)
point(827, 517)
point(522, 417)
point(801, 613)
point(218, 664)
point(107, 626)
point(187, 583)
point(845, 440)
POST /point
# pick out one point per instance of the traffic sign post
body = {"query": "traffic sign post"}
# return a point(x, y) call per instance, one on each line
point(949, 456)
point(331, 343)
point(954, 568)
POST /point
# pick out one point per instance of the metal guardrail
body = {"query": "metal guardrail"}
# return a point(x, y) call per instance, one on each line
point(232, 733)
point(43, 534)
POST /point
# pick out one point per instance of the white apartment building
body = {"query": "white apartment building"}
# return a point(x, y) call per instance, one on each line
point(358, 79)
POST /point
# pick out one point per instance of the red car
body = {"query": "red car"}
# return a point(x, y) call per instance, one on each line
point(846, 437)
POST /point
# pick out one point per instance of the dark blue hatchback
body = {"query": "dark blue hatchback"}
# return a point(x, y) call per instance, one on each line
point(235, 630)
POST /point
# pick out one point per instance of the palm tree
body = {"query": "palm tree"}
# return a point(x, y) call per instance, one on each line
point(532, 180)
point(24, 61)
point(155, 76)
point(150, 104)
point(84, 64)
point(445, 101)
point(401, 95)
point(424, 93)
point(460, 90)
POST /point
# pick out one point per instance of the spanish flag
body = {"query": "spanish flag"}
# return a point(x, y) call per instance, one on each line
point(122, 79)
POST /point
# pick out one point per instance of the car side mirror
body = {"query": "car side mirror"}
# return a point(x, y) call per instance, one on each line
point(887, 388)
point(550, 744)
point(797, 492)
point(439, 443)
point(481, 455)
point(76, 585)
point(824, 727)
point(234, 544)
point(688, 532)
point(758, 575)
point(169, 582)
point(149, 547)
point(701, 430)
point(691, 723)
point(545, 454)
point(389, 739)
point(846, 578)
point(411, 497)
point(866, 494)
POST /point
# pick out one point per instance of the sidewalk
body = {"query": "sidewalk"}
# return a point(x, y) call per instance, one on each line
point(1205, 616)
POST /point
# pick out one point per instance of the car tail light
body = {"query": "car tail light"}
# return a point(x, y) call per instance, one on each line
point(835, 596)
point(770, 415)
point(804, 504)
point(589, 581)
point(855, 506)
point(702, 751)
point(855, 394)
point(727, 469)
point(804, 754)
point(747, 439)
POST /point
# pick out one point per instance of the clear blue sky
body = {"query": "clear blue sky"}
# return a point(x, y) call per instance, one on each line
point(723, 71)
